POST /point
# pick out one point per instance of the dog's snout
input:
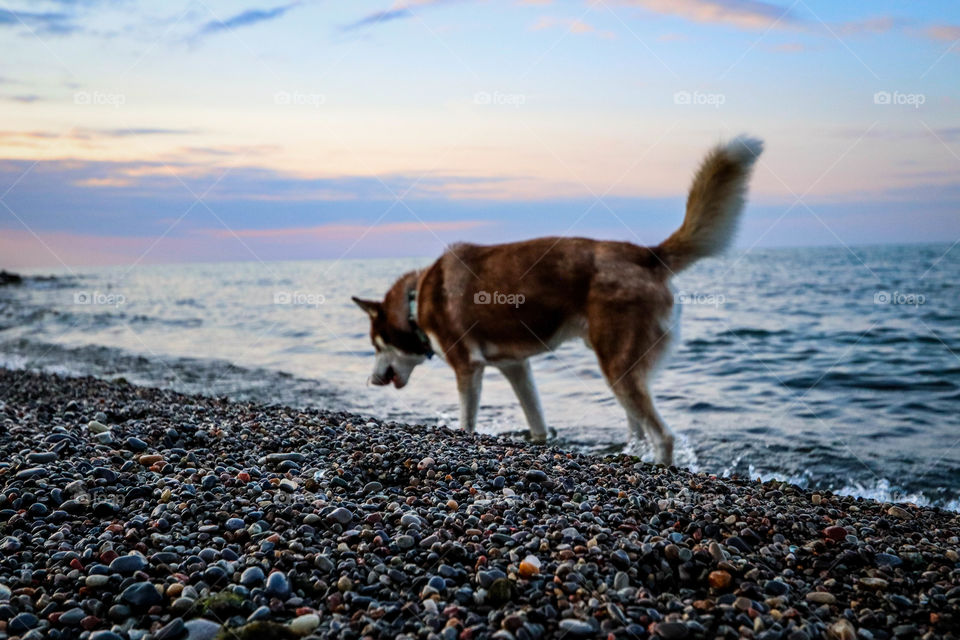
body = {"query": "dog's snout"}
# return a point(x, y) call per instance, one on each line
point(385, 379)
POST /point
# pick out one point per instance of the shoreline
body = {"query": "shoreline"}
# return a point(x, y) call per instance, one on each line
point(278, 522)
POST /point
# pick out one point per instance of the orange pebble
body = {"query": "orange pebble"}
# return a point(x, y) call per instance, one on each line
point(719, 579)
point(529, 567)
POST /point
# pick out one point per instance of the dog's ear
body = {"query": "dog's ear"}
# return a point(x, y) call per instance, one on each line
point(372, 307)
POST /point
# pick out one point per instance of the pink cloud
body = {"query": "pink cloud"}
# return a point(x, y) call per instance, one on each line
point(746, 14)
point(345, 231)
point(572, 25)
point(947, 32)
point(21, 248)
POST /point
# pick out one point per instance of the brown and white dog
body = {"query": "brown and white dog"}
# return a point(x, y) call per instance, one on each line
point(499, 305)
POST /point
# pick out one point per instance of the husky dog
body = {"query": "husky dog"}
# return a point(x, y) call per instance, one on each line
point(499, 305)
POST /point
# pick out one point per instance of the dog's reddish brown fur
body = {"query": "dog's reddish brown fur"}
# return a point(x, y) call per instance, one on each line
point(614, 295)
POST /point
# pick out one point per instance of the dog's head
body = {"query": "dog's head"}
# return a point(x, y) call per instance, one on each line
point(398, 344)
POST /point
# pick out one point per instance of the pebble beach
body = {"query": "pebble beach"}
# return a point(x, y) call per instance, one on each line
point(137, 513)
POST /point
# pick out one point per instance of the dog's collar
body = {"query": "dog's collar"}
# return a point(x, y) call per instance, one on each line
point(412, 319)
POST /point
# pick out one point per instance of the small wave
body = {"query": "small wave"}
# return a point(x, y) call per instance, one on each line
point(209, 377)
point(884, 491)
point(709, 406)
point(684, 455)
point(881, 490)
point(754, 333)
point(844, 380)
point(184, 323)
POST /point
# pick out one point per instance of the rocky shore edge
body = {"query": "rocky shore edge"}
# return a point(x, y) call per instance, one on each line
point(137, 513)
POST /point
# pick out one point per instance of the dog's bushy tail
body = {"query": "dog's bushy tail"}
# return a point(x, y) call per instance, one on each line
point(714, 204)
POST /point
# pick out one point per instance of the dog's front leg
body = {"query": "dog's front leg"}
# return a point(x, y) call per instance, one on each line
point(469, 383)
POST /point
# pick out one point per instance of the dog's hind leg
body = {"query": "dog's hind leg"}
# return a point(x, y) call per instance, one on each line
point(636, 428)
point(639, 405)
point(521, 379)
point(469, 384)
point(627, 355)
point(642, 415)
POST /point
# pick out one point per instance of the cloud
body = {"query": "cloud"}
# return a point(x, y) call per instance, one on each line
point(48, 22)
point(378, 17)
point(876, 25)
point(673, 37)
point(946, 32)
point(745, 14)
point(399, 11)
point(244, 19)
point(25, 99)
point(572, 25)
point(344, 231)
point(123, 133)
point(78, 134)
point(788, 47)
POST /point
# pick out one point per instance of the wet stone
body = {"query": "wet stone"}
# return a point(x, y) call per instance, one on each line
point(129, 564)
point(141, 595)
point(577, 628)
point(340, 516)
point(277, 585)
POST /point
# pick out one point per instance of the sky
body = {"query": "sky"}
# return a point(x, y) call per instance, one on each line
point(191, 130)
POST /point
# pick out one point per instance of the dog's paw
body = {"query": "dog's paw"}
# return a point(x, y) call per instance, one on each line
point(549, 436)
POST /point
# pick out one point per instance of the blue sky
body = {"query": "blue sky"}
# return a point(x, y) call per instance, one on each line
point(203, 130)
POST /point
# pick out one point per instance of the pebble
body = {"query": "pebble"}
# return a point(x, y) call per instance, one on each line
point(898, 512)
point(340, 516)
point(821, 597)
point(129, 564)
point(201, 629)
point(22, 622)
point(305, 624)
point(141, 595)
point(672, 630)
point(878, 584)
point(529, 567)
point(410, 519)
point(620, 559)
point(171, 631)
point(41, 458)
point(574, 628)
point(277, 585)
point(304, 523)
point(72, 617)
point(96, 580)
point(136, 444)
point(252, 576)
point(719, 579)
point(536, 475)
point(835, 533)
point(97, 427)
